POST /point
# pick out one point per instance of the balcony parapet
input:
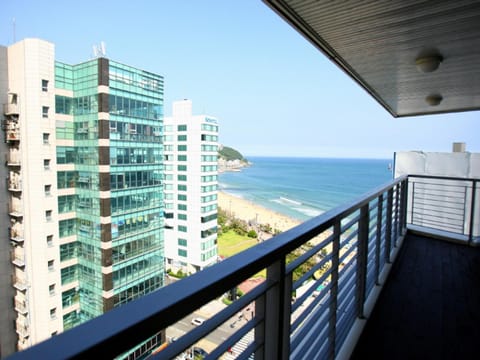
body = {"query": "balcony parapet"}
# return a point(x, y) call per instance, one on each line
point(19, 283)
point(11, 109)
point(21, 306)
point(14, 183)
point(22, 329)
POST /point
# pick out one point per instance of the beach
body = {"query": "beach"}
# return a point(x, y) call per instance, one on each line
point(248, 211)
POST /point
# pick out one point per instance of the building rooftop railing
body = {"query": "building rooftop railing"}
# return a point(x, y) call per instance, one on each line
point(322, 279)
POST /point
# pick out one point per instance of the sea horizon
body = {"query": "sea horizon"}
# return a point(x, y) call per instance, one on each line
point(305, 187)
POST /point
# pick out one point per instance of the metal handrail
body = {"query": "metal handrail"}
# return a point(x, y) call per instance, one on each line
point(340, 303)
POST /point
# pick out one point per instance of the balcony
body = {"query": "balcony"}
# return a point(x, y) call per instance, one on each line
point(12, 130)
point(11, 109)
point(16, 233)
point(353, 248)
point(14, 183)
point(19, 282)
point(18, 257)
point(21, 306)
point(13, 158)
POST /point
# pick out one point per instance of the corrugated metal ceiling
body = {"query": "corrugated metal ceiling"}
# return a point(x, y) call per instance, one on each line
point(378, 43)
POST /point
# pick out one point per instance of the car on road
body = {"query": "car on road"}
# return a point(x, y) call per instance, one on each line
point(197, 321)
point(198, 351)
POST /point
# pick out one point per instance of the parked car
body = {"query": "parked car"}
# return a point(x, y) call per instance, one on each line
point(198, 351)
point(197, 321)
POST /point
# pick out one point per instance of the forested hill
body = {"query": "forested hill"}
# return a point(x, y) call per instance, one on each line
point(230, 154)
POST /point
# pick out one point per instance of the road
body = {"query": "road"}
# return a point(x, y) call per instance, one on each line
point(211, 340)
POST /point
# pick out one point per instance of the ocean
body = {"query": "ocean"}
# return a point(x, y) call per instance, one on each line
point(302, 188)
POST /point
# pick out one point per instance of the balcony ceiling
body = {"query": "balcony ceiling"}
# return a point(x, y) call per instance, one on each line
point(378, 43)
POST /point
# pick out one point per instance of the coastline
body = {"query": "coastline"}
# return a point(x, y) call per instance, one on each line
point(249, 211)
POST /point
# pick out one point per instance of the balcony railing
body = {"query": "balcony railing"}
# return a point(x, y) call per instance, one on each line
point(350, 250)
point(448, 206)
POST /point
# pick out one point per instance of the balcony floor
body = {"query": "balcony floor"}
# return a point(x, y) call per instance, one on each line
point(429, 307)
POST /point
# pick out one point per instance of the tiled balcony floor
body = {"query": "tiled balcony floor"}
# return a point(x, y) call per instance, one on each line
point(430, 306)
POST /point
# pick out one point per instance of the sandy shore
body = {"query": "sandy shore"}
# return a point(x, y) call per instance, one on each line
point(249, 211)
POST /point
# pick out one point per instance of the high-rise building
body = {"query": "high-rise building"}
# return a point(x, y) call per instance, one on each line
point(82, 225)
point(191, 183)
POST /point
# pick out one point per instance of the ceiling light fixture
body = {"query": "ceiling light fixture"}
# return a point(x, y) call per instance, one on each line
point(429, 63)
point(434, 99)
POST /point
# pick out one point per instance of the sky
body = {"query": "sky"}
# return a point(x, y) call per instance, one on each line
point(273, 93)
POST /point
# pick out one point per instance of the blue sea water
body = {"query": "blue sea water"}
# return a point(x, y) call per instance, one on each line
point(305, 187)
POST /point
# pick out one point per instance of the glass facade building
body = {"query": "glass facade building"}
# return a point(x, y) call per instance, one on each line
point(109, 158)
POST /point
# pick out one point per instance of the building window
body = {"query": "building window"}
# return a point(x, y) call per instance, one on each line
point(182, 207)
point(51, 265)
point(182, 177)
point(48, 215)
point(44, 85)
point(45, 112)
point(46, 138)
point(46, 164)
point(182, 228)
point(53, 313)
point(182, 252)
point(182, 216)
point(51, 289)
point(182, 147)
point(182, 138)
point(182, 187)
point(48, 189)
point(182, 242)
point(182, 157)
point(182, 197)
point(182, 127)
point(49, 240)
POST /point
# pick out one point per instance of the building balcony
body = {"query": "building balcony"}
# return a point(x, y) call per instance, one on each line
point(353, 248)
point(11, 109)
point(14, 184)
point(16, 233)
point(21, 306)
point(22, 329)
point(18, 258)
point(19, 282)
point(13, 158)
point(16, 212)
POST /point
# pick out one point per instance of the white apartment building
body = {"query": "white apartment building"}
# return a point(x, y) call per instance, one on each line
point(190, 186)
point(28, 98)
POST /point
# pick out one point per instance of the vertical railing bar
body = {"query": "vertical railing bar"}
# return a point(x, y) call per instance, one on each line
point(275, 316)
point(388, 226)
point(332, 326)
point(404, 205)
point(286, 310)
point(260, 310)
point(464, 215)
point(378, 239)
point(472, 211)
point(397, 213)
point(413, 202)
point(362, 258)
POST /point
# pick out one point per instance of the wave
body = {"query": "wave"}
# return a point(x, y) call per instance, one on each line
point(305, 209)
point(287, 200)
point(309, 211)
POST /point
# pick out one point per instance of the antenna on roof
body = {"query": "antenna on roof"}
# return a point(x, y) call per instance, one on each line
point(99, 50)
